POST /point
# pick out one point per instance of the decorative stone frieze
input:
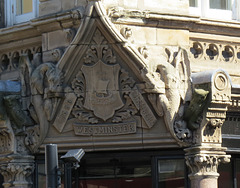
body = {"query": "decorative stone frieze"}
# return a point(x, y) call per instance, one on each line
point(220, 51)
point(10, 60)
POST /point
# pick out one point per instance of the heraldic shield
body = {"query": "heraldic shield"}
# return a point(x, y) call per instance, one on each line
point(102, 89)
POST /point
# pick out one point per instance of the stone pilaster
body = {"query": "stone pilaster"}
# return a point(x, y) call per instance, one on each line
point(17, 170)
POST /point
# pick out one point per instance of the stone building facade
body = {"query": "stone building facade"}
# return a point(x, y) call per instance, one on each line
point(149, 89)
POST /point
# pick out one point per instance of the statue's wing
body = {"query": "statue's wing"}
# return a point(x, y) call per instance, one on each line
point(183, 68)
point(25, 68)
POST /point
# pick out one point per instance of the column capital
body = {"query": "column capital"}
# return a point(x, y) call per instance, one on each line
point(204, 161)
point(16, 170)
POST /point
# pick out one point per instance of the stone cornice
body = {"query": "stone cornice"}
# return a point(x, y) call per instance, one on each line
point(36, 27)
point(188, 22)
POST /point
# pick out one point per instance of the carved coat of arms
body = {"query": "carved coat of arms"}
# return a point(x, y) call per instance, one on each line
point(102, 89)
point(105, 98)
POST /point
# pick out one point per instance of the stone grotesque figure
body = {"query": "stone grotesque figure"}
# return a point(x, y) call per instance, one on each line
point(44, 81)
point(195, 108)
point(169, 87)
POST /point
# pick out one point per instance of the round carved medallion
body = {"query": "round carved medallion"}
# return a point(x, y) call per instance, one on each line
point(220, 81)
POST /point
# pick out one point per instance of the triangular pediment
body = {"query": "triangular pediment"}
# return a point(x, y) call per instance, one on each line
point(97, 29)
point(103, 74)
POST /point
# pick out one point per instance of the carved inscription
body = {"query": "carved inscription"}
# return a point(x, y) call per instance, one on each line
point(67, 106)
point(105, 129)
point(141, 105)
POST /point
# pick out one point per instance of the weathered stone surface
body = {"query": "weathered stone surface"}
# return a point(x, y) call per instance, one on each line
point(172, 37)
point(80, 3)
point(143, 35)
point(68, 4)
point(130, 4)
point(59, 38)
point(163, 6)
point(50, 7)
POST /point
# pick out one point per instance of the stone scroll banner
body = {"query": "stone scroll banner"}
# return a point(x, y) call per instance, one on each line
point(145, 110)
point(61, 119)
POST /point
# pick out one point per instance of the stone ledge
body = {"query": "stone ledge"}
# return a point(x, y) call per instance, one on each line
point(40, 25)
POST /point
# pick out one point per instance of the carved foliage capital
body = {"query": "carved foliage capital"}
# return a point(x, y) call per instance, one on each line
point(205, 164)
point(17, 170)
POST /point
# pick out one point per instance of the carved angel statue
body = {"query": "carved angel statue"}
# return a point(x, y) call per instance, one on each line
point(170, 88)
point(41, 89)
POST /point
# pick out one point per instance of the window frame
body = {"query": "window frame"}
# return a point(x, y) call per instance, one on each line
point(2, 15)
point(203, 9)
point(11, 18)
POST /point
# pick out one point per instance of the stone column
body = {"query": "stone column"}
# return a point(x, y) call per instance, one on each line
point(203, 163)
point(17, 170)
point(205, 152)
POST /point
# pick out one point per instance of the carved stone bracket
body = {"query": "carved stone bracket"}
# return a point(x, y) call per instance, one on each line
point(212, 117)
point(211, 97)
point(16, 170)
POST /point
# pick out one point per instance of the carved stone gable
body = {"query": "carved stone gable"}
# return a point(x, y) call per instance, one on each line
point(107, 95)
point(104, 94)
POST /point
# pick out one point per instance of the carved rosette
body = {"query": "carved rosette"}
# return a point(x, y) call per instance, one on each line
point(17, 170)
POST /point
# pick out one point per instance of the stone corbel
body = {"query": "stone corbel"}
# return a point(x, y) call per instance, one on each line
point(217, 85)
point(211, 97)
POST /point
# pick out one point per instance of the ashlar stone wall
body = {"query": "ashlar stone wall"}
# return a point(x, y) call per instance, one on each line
point(170, 6)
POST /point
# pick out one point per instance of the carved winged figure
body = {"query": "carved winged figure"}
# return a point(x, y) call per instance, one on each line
point(41, 87)
point(170, 87)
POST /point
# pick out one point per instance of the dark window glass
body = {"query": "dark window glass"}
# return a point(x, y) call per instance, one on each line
point(23, 6)
point(171, 173)
point(2, 13)
point(220, 4)
point(41, 175)
point(116, 172)
point(226, 178)
point(238, 172)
